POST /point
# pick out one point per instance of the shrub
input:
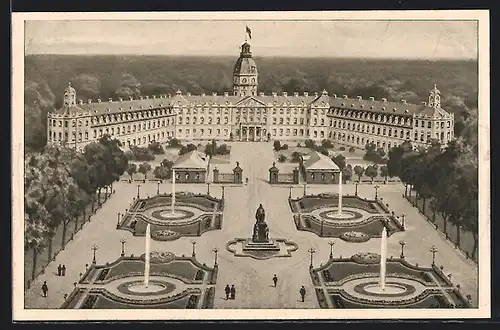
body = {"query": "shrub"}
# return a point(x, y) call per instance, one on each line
point(162, 172)
point(282, 158)
point(277, 145)
point(284, 147)
point(352, 149)
point(327, 144)
point(296, 156)
point(174, 143)
point(223, 150)
point(310, 144)
point(142, 154)
point(186, 149)
point(156, 148)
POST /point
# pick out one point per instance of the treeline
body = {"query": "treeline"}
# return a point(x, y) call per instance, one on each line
point(59, 184)
point(445, 180)
point(123, 76)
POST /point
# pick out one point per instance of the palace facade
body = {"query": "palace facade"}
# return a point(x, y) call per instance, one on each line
point(249, 115)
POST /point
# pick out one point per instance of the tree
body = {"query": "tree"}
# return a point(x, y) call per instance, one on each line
point(310, 144)
point(156, 148)
point(281, 158)
point(131, 170)
point(144, 168)
point(223, 149)
point(277, 145)
point(371, 172)
point(339, 160)
point(359, 171)
point(162, 172)
point(36, 229)
point(347, 173)
point(296, 157)
point(284, 147)
point(327, 144)
point(384, 172)
point(174, 143)
point(187, 148)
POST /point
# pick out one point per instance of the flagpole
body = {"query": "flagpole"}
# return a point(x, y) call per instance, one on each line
point(246, 33)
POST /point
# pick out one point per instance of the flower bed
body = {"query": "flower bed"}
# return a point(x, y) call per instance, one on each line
point(165, 235)
point(354, 237)
point(401, 302)
point(366, 258)
point(159, 257)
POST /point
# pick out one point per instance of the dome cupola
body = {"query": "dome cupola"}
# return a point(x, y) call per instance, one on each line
point(245, 73)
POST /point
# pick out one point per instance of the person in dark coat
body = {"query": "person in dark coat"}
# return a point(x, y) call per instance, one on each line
point(228, 291)
point(59, 270)
point(45, 289)
point(275, 280)
point(63, 270)
point(302, 292)
point(233, 291)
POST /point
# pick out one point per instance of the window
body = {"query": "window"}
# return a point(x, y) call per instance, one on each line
point(281, 120)
point(274, 120)
point(322, 176)
point(429, 124)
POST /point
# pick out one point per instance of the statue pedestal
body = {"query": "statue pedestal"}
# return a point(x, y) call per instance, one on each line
point(269, 245)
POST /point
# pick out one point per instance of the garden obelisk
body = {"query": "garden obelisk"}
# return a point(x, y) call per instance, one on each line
point(147, 255)
point(383, 258)
point(340, 194)
point(173, 191)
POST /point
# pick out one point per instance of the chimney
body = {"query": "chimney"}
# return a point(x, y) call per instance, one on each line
point(384, 100)
point(121, 99)
point(188, 94)
point(285, 94)
point(274, 94)
point(372, 98)
point(345, 97)
point(394, 109)
point(296, 94)
point(403, 101)
point(334, 96)
point(80, 102)
point(383, 108)
point(214, 94)
point(226, 93)
point(261, 94)
point(147, 97)
point(154, 96)
point(98, 100)
point(131, 98)
point(110, 100)
point(90, 101)
point(306, 94)
point(359, 98)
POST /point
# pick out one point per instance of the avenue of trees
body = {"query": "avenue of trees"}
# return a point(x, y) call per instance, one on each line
point(60, 183)
point(106, 77)
point(445, 180)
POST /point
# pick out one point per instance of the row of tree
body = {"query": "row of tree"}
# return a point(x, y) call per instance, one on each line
point(447, 178)
point(60, 183)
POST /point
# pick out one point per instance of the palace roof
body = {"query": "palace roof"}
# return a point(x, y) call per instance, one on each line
point(317, 161)
point(190, 160)
point(318, 99)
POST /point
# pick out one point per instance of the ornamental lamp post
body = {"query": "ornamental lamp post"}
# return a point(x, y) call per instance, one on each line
point(158, 188)
point(403, 220)
point(94, 248)
point(123, 241)
point(290, 192)
point(402, 243)
point(215, 252)
point(433, 250)
point(356, 192)
point(305, 186)
point(208, 188)
point(118, 221)
point(376, 191)
point(331, 248)
point(194, 251)
point(222, 191)
point(138, 191)
point(311, 251)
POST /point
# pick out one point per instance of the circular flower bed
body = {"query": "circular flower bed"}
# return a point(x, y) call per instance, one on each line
point(166, 287)
point(366, 258)
point(354, 237)
point(159, 257)
point(181, 214)
point(165, 235)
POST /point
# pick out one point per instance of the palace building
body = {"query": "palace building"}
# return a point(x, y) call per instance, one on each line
point(249, 115)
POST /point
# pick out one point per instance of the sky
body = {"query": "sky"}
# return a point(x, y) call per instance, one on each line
point(327, 38)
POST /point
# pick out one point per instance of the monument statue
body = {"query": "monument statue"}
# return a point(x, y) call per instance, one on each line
point(260, 229)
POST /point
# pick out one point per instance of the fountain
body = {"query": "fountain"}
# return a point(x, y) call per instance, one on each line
point(340, 194)
point(173, 192)
point(147, 256)
point(383, 258)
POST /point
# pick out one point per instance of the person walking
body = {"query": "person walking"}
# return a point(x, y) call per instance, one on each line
point(63, 270)
point(275, 280)
point(233, 292)
point(59, 270)
point(302, 292)
point(228, 291)
point(45, 289)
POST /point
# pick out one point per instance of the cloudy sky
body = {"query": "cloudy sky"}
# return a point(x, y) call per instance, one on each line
point(371, 39)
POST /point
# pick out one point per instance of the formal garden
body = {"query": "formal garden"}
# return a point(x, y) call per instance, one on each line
point(173, 282)
point(356, 282)
point(358, 221)
point(191, 215)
